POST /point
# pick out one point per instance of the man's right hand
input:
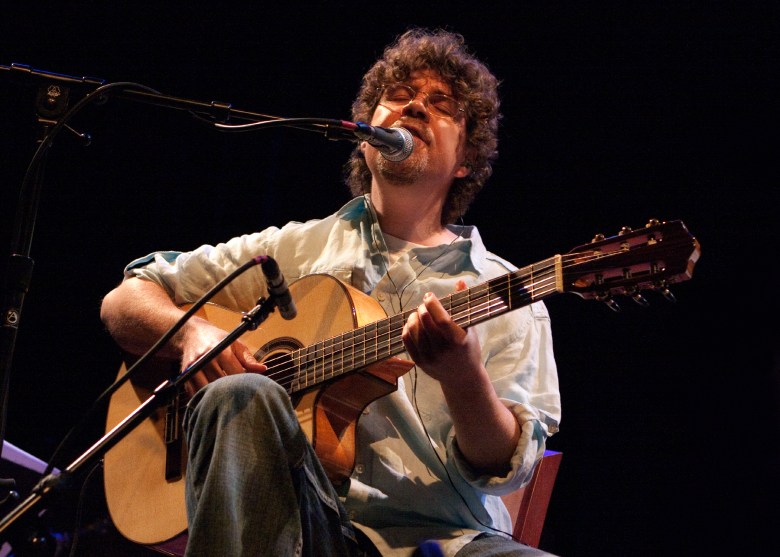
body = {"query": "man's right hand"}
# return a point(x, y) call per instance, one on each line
point(138, 312)
point(196, 338)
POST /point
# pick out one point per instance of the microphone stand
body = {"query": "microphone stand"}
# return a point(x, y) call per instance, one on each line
point(56, 483)
point(52, 106)
point(51, 102)
point(52, 113)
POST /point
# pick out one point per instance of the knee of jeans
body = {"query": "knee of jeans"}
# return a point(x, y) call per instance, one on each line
point(239, 390)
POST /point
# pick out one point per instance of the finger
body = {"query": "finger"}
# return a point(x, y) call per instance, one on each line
point(230, 361)
point(196, 382)
point(437, 322)
point(411, 336)
point(431, 311)
point(247, 359)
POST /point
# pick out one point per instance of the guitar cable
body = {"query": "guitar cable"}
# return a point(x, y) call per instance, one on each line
point(413, 375)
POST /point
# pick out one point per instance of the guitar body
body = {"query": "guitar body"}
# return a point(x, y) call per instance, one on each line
point(144, 475)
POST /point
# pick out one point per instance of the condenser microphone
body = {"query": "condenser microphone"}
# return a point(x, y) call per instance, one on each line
point(394, 144)
point(277, 288)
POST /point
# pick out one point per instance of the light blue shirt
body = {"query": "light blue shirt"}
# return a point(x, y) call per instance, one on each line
point(410, 478)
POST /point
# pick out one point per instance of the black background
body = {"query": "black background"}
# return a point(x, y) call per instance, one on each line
point(612, 115)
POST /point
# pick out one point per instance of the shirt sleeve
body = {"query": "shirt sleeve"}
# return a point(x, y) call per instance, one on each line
point(524, 374)
point(187, 276)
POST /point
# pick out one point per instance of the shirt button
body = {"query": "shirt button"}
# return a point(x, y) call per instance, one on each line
point(381, 297)
point(359, 469)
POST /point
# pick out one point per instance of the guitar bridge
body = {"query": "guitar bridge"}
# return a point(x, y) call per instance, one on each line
point(174, 444)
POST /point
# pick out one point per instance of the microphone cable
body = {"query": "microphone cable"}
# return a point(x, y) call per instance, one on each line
point(131, 371)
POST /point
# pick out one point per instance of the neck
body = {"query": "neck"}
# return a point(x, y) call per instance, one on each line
point(413, 216)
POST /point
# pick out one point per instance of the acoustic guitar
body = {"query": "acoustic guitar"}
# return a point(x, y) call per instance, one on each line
point(340, 353)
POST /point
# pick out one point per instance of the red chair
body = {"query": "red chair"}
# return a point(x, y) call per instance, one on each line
point(528, 506)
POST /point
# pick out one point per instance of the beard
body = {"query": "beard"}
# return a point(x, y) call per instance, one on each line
point(407, 171)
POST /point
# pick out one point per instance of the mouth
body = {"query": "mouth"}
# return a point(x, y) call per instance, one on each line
point(419, 133)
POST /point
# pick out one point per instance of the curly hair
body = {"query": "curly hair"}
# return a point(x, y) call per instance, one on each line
point(472, 84)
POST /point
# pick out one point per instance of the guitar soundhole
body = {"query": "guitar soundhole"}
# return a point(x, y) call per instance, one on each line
point(276, 349)
point(281, 367)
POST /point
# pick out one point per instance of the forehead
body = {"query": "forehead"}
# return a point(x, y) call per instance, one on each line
point(428, 80)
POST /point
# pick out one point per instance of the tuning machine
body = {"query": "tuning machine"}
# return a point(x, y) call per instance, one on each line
point(605, 295)
point(633, 291)
point(663, 288)
point(607, 298)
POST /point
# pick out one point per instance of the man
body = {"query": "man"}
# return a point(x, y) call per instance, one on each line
point(465, 425)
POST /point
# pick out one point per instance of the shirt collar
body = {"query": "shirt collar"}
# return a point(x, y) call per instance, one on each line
point(359, 210)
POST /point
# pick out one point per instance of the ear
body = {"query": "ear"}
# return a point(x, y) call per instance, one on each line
point(463, 170)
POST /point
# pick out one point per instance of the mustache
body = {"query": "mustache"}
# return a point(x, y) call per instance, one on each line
point(423, 132)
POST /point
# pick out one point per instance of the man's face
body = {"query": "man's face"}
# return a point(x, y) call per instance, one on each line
point(439, 135)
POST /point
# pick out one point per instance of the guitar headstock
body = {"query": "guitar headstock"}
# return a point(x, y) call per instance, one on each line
point(650, 258)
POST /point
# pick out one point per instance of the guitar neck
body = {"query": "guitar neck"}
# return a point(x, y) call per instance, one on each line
point(358, 348)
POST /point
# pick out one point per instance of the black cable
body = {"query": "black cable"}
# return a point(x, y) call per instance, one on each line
point(148, 355)
point(330, 127)
point(444, 466)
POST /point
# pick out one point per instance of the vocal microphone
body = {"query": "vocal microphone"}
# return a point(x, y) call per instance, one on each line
point(394, 144)
point(277, 288)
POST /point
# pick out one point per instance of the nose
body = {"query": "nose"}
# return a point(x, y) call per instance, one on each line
point(417, 108)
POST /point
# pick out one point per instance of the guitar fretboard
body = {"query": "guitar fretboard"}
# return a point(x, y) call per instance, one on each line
point(358, 348)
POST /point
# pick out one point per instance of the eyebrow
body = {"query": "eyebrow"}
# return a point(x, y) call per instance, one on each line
point(440, 89)
point(436, 88)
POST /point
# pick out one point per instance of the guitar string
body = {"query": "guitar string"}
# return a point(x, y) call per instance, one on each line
point(355, 355)
point(543, 287)
point(315, 352)
point(395, 324)
point(574, 258)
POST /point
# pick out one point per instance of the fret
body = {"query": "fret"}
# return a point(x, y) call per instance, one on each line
point(392, 341)
point(310, 365)
point(349, 341)
point(369, 347)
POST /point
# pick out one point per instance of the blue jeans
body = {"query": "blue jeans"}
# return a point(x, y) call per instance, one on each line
point(254, 484)
point(491, 545)
point(256, 488)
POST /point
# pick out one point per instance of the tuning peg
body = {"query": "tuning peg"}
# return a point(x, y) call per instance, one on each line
point(607, 299)
point(662, 287)
point(652, 222)
point(624, 230)
point(636, 295)
point(597, 238)
point(633, 291)
point(666, 293)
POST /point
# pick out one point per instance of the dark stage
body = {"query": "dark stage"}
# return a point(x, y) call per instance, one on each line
point(612, 116)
